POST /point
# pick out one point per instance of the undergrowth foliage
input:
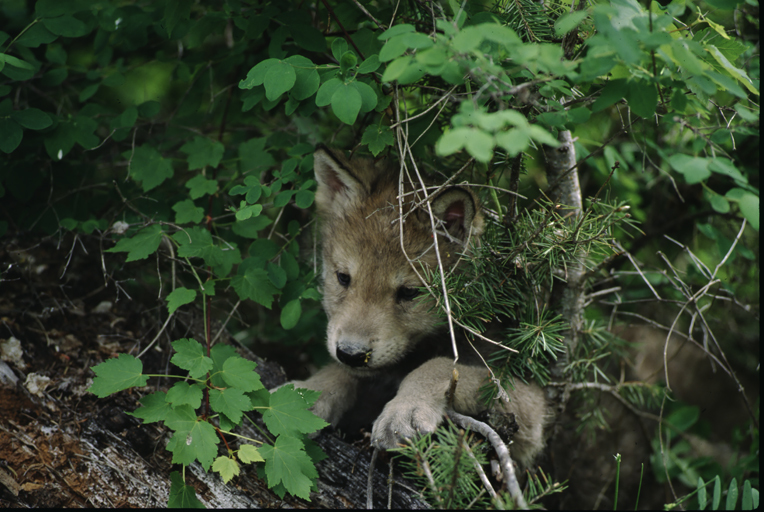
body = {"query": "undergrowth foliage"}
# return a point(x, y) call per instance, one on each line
point(180, 135)
point(229, 386)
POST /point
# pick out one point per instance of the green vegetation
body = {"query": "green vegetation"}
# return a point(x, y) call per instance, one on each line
point(181, 133)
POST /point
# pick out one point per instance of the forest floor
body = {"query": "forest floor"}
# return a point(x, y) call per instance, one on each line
point(61, 446)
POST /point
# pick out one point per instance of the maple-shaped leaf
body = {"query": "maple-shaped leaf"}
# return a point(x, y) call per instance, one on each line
point(240, 373)
point(248, 453)
point(182, 495)
point(202, 152)
point(194, 439)
point(287, 463)
point(227, 467)
point(117, 374)
point(230, 401)
point(155, 408)
point(179, 297)
point(220, 353)
point(289, 414)
point(142, 245)
point(185, 393)
point(190, 356)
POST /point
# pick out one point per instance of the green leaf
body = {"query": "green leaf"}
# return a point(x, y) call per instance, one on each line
point(248, 453)
point(227, 467)
point(731, 495)
point(370, 65)
point(346, 103)
point(196, 242)
point(126, 119)
point(181, 495)
point(568, 22)
point(35, 36)
point(230, 401)
point(187, 211)
point(148, 167)
point(117, 374)
point(143, 244)
point(684, 417)
point(220, 353)
point(202, 152)
point(702, 499)
point(254, 158)
point(368, 96)
point(256, 75)
point(749, 207)
point(240, 373)
point(747, 502)
point(194, 439)
point(717, 497)
point(642, 98)
point(175, 11)
point(279, 78)
point(179, 297)
point(67, 26)
point(253, 283)
point(736, 73)
point(10, 135)
point(307, 78)
point(184, 393)
point(378, 137)
point(200, 186)
point(32, 118)
point(694, 169)
point(289, 414)
point(326, 91)
point(286, 462)
point(155, 408)
point(190, 356)
point(277, 275)
point(290, 314)
point(396, 30)
point(396, 68)
point(727, 167)
point(304, 198)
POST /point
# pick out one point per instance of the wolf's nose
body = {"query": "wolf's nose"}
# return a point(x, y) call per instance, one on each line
point(351, 356)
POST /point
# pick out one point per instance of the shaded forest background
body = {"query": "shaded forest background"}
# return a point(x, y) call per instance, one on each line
point(156, 184)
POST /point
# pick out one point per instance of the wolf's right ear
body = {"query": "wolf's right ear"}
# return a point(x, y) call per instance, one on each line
point(337, 186)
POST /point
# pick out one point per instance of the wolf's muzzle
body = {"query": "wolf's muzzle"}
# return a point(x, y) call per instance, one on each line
point(352, 356)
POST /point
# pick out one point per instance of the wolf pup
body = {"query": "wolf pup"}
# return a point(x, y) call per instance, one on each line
point(394, 359)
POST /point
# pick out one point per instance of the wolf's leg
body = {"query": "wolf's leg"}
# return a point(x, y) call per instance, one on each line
point(420, 404)
point(338, 388)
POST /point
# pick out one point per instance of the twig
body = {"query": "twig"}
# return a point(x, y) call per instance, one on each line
point(480, 472)
point(369, 480)
point(513, 487)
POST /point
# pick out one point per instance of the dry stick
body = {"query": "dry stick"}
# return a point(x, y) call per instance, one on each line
point(369, 479)
point(390, 486)
point(480, 472)
point(513, 487)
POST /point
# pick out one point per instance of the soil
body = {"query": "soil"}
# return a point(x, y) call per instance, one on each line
point(61, 446)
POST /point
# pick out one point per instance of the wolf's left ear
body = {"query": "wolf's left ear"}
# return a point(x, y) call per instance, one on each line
point(458, 209)
point(337, 185)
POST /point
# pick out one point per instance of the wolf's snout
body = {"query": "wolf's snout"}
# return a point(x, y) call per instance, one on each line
point(353, 356)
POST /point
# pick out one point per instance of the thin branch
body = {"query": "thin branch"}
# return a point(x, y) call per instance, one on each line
point(507, 466)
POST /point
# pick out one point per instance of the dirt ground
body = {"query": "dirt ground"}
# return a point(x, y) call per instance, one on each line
point(61, 446)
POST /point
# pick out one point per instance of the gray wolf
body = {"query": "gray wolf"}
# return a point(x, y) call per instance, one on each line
point(393, 357)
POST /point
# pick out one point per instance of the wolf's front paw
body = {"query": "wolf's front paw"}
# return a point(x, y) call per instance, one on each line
point(401, 419)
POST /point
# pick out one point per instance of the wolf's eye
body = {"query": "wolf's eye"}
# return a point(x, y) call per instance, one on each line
point(406, 293)
point(343, 279)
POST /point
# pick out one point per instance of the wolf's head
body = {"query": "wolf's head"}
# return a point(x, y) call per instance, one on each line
point(370, 264)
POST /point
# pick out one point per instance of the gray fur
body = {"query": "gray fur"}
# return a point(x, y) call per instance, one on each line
point(397, 347)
